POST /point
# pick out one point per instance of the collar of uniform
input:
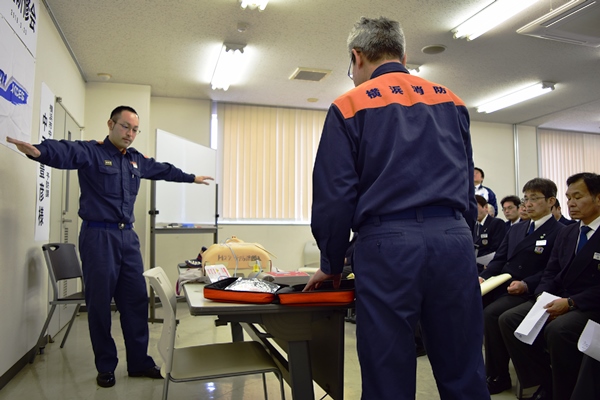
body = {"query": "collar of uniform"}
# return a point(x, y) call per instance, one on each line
point(594, 225)
point(542, 220)
point(388, 67)
point(483, 220)
point(111, 147)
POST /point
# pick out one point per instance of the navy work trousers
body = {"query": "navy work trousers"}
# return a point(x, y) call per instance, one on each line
point(410, 270)
point(112, 268)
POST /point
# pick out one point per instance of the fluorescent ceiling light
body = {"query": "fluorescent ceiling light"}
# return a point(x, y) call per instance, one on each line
point(491, 16)
point(260, 4)
point(228, 66)
point(516, 97)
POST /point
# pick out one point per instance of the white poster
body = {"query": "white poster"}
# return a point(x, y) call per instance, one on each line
point(22, 16)
point(17, 77)
point(42, 226)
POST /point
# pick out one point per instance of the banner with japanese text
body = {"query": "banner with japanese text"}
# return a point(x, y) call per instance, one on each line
point(42, 226)
point(18, 43)
point(22, 15)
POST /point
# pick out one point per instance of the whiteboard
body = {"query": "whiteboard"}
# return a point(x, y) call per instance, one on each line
point(185, 203)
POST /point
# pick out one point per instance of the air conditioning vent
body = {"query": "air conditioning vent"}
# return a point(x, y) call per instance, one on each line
point(310, 74)
point(575, 22)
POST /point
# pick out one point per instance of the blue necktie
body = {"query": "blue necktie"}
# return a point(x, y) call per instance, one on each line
point(531, 228)
point(582, 237)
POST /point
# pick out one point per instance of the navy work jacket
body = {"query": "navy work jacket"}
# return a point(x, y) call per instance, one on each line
point(109, 180)
point(393, 143)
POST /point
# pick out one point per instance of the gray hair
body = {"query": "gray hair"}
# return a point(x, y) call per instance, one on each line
point(378, 39)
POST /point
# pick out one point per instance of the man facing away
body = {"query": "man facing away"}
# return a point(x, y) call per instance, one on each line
point(572, 274)
point(395, 164)
point(523, 254)
point(109, 174)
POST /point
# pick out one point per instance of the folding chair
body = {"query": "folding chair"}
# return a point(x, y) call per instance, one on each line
point(62, 263)
point(204, 362)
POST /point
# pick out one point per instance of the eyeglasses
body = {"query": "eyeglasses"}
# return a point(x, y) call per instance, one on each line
point(352, 60)
point(127, 128)
point(532, 199)
point(509, 208)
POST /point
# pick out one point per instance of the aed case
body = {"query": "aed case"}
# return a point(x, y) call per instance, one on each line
point(216, 292)
point(325, 295)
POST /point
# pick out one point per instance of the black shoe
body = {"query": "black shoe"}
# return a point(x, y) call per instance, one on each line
point(106, 379)
point(540, 394)
point(498, 384)
point(153, 372)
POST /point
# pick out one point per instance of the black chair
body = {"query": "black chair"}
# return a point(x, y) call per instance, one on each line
point(63, 264)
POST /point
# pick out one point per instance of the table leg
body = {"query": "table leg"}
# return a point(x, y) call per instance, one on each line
point(237, 332)
point(300, 371)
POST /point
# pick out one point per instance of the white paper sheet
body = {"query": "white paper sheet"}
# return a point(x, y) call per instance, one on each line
point(535, 319)
point(485, 260)
point(589, 341)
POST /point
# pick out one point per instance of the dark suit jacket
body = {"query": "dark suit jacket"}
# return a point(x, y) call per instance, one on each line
point(565, 221)
point(574, 276)
point(490, 236)
point(524, 256)
point(508, 224)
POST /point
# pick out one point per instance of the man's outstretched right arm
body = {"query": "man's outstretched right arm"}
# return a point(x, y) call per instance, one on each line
point(25, 147)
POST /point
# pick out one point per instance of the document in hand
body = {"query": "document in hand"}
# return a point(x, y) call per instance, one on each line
point(589, 341)
point(485, 260)
point(535, 319)
point(493, 282)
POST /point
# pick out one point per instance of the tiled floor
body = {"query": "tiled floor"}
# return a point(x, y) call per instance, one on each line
point(69, 373)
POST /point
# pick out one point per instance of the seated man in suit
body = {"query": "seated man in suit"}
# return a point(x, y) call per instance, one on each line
point(523, 215)
point(523, 254)
point(510, 208)
point(488, 231)
point(588, 384)
point(557, 212)
point(573, 274)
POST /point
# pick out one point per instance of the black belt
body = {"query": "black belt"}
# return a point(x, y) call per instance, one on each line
point(108, 225)
point(418, 213)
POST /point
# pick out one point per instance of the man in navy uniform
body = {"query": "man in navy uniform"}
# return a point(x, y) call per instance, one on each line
point(488, 232)
point(572, 274)
point(109, 174)
point(395, 164)
point(523, 254)
point(510, 208)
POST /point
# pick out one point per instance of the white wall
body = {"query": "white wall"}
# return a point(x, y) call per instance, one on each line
point(494, 152)
point(527, 155)
point(23, 287)
point(189, 119)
